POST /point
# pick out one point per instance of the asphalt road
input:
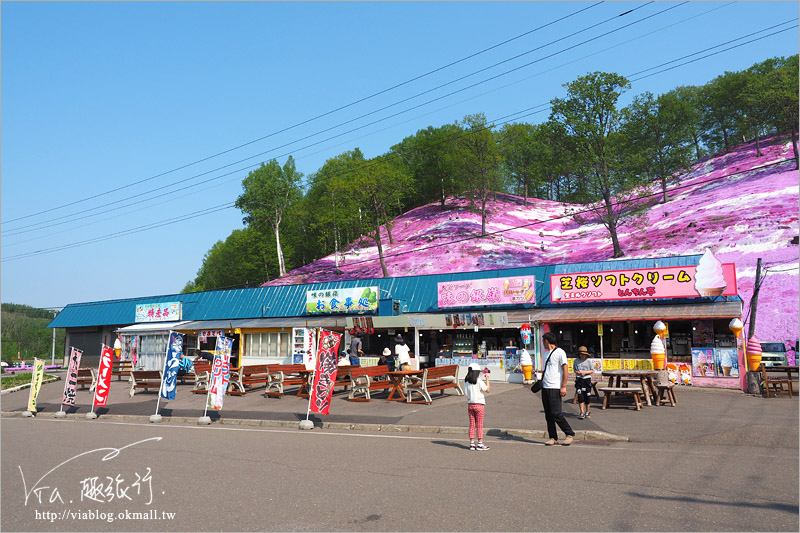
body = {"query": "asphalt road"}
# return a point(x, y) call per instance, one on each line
point(217, 478)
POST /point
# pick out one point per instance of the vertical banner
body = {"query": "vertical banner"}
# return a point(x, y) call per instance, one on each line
point(72, 377)
point(325, 373)
point(220, 373)
point(103, 377)
point(36, 383)
point(170, 381)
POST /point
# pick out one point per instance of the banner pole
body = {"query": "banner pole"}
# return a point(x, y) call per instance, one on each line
point(60, 413)
point(91, 414)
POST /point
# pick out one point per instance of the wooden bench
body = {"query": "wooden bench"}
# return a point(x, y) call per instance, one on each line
point(433, 379)
point(667, 389)
point(776, 377)
point(87, 377)
point(202, 375)
point(635, 392)
point(281, 376)
point(365, 379)
point(121, 369)
point(144, 379)
point(248, 377)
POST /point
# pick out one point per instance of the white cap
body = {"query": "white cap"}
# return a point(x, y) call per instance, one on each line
point(474, 366)
point(387, 351)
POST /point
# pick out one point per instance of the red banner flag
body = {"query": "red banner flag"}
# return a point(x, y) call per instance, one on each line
point(325, 372)
point(103, 377)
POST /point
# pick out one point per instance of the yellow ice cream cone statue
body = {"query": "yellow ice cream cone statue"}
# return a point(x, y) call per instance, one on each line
point(658, 353)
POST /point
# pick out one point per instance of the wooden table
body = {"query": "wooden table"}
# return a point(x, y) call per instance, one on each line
point(644, 376)
point(766, 370)
point(398, 378)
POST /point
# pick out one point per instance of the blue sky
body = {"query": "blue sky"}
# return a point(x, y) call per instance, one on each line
point(103, 101)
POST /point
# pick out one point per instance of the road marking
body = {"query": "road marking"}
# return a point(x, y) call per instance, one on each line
point(632, 447)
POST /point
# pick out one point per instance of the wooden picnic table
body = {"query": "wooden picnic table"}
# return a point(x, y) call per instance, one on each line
point(399, 378)
point(645, 377)
point(777, 383)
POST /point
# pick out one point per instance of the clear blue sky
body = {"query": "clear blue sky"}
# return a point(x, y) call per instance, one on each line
point(98, 97)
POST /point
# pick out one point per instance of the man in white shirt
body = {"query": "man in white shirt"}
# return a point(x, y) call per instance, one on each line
point(402, 351)
point(554, 387)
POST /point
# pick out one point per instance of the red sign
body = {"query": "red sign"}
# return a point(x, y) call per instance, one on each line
point(325, 373)
point(103, 377)
point(667, 282)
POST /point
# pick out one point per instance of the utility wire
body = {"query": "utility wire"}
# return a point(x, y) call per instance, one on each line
point(396, 103)
point(306, 121)
point(466, 131)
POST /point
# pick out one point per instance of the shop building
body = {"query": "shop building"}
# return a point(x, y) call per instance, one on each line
point(610, 307)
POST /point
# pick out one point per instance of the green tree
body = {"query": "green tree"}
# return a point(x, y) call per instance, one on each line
point(590, 117)
point(721, 103)
point(374, 185)
point(269, 191)
point(243, 259)
point(782, 100)
point(479, 161)
point(659, 136)
point(688, 100)
point(429, 158)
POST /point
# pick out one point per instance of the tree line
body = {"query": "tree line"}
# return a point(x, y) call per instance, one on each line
point(589, 151)
point(25, 333)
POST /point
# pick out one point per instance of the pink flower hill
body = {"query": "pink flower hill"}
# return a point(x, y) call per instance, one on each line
point(740, 206)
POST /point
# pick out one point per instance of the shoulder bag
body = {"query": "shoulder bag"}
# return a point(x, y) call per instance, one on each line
point(537, 385)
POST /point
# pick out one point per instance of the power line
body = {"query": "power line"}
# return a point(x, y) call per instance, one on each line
point(306, 121)
point(394, 104)
point(239, 170)
point(694, 184)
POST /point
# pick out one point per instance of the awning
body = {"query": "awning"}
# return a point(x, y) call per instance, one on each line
point(631, 312)
point(265, 323)
point(150, 327)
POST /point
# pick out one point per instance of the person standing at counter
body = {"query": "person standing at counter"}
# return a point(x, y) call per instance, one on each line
point(402, 351)
point(554, 387)
point(356, 349)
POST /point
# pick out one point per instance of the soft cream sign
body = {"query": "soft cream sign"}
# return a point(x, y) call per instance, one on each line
point(709, 278)
point(488, 291)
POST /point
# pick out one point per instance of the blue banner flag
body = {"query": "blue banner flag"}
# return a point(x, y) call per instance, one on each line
point(170, 381)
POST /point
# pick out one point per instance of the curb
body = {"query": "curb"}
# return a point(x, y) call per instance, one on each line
point(581, 435)
point(28, 385)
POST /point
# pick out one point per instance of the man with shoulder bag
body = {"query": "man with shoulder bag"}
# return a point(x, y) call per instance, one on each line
point(553, 388)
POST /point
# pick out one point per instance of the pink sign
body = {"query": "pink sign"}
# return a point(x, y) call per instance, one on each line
point(491, 291)
point(667, 282)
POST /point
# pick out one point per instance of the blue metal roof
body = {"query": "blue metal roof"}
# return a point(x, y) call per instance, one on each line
point(419, 292)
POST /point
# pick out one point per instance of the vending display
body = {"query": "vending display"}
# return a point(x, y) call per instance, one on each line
point(303, 347)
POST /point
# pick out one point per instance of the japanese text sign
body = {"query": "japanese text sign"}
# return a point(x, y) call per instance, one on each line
point(160, 312)
point(220, 373)
point(490, 291)
point(71, 384)
point(325, 372)
point(36, 383)
point(103, 377)
point(666, 282)
point(352, 300)
point(174, 352)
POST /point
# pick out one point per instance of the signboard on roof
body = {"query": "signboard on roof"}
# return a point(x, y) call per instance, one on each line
point(667, 282)
point(488, 291)
point(340, 301)
point(160, 312)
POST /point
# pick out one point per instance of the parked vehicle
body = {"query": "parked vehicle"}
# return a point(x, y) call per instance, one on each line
point(773, 354)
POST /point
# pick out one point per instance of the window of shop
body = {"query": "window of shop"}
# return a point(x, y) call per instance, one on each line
point(152, 350)
point(276, 344)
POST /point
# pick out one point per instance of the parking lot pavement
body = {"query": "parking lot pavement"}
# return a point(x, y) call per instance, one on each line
point(702, 415)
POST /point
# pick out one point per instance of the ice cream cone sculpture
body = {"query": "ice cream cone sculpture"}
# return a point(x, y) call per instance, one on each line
point(753, 354)
point(709, 278)
point(658, 353)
